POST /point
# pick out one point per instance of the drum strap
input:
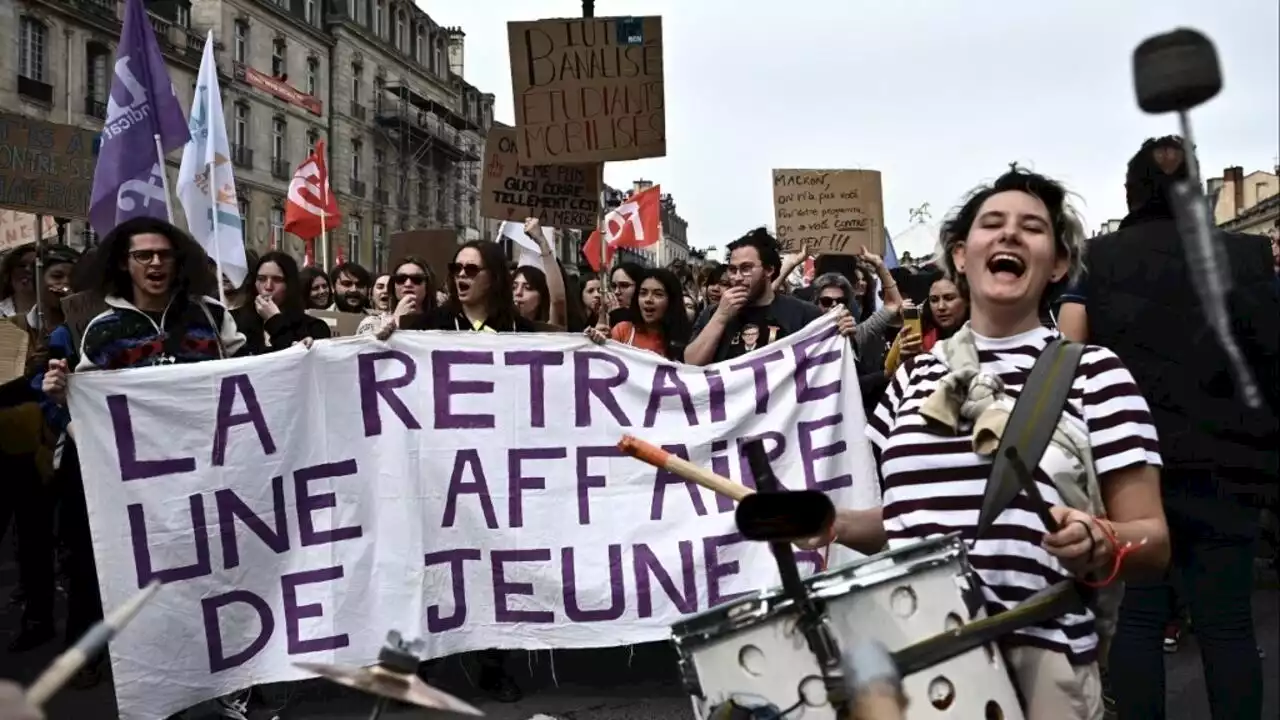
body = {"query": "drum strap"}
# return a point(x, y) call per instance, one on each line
point(1030, 426)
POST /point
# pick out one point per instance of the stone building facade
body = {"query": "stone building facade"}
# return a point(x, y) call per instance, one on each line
point(379, 80)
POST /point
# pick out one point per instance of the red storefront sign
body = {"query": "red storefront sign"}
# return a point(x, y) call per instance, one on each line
point(279, 88)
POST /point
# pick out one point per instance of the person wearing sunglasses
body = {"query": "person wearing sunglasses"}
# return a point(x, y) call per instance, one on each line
point(480, 298)
point(410, 295)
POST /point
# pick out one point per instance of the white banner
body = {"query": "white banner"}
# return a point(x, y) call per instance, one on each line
point(460, 487)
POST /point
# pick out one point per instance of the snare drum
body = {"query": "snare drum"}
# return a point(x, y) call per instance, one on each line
point(750, 651)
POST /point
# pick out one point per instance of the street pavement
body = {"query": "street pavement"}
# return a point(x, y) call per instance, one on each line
point(627, 683)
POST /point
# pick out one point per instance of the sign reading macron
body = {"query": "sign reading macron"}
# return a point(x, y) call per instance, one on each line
point(464, 488)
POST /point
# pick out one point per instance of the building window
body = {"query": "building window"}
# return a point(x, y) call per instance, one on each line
point(241, 135)
point(379, 250)
point(278, 146)
point(97, 81)
point(357, 83)
point(380, 162)
point(33, 44)
point(380, 18)
point(279, 59)
point(353, 239)
point(436, 63)
point(420, 46)
point(309, 11)
point(243, 202)
point(277, 227)
point(357, 150)
point(183, 15)
point(313, 77)
point(240, 41)
point(313, 137)
point(402, 32)
point(361, 14)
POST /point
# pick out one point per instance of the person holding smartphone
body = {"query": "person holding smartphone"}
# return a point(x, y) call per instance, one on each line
point(946, 312)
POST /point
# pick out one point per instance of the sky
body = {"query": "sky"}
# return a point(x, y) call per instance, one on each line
point(938, 95)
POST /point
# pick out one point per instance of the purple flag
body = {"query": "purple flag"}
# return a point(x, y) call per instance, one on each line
point(128, 181)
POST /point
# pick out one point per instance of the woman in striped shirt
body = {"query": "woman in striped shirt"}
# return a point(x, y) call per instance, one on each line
point(1005, 247)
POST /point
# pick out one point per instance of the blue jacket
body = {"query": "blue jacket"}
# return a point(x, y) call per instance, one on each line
point(60, 348)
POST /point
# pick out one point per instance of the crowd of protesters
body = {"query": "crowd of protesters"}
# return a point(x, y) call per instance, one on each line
point(925, 338)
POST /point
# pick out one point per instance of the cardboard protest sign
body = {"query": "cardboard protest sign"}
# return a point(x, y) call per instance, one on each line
point(564, 196)
point(46, 168)
point(19, 228)
point(15, 345)
point(834, 212)
point(341, 324)
point(437, 247)
point(464, 488)
point(588, 90)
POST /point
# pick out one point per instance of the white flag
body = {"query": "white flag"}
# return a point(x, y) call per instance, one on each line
point(206, 183)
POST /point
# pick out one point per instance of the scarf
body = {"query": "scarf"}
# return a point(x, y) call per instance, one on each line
point(965, 392)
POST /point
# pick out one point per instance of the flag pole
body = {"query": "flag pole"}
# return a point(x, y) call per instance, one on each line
point(217, 246)
point(164, 183)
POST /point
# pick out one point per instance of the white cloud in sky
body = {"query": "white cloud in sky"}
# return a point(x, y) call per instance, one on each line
point(938, 95)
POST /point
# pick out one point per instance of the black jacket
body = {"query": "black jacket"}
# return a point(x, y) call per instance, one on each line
point(1142, 306)
point(283, 330)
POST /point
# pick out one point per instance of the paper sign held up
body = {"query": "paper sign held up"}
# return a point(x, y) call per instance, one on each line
point(566, 196)
point(834, 212)
point(435, 247)
point(587, 93)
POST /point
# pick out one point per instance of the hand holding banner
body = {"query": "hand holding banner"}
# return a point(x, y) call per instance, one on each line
point(433, 488)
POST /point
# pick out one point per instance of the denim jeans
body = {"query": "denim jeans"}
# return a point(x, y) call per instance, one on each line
point(1213, 540)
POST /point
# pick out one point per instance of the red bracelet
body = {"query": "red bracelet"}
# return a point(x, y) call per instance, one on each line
point(1118, 551)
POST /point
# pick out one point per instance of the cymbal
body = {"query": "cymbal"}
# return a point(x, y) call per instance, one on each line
point(379, 681)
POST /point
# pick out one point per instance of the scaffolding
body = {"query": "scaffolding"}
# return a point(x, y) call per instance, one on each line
point(431, 150)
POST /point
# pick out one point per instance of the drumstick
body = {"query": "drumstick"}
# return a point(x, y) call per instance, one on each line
point(89, 645)
point(676, 465)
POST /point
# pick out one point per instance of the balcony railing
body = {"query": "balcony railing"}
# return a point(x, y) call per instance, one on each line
point(280, 169)
point(33, 89)
point(242, 156)
point(162, 27)
point(358, 111)
point(94, 107)
point(358, 187)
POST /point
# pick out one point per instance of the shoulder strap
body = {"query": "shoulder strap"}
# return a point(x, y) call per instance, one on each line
point(1031, 425)
point(215, 325)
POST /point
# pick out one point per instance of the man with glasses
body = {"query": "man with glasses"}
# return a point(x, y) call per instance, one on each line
point(750, 314)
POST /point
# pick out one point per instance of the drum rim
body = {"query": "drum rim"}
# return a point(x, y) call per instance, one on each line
point(763, 605)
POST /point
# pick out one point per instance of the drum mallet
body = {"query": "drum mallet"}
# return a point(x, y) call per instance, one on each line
point(678, 466)
point(87, 647)
point(873, 682)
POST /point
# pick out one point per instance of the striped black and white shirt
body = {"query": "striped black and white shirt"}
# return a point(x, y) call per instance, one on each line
point(934, 483)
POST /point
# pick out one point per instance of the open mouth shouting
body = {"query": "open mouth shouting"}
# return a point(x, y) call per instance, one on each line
point(157, 280)
point(649, 312)
point(464, 289)
point(1006, 266)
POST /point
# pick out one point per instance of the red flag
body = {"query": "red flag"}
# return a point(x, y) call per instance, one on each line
point(635, 224)
point(311, 209)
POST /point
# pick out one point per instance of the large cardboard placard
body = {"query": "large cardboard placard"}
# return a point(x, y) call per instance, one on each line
point(45, 168)
point(437, 247)
point(588, 90)
point(833, 212)
point(563, 196)
point(341, 324)
point(463, 488)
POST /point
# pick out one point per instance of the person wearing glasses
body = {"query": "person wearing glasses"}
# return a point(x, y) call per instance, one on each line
point(411, 293)
point(158, 288)
point(750, 313)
